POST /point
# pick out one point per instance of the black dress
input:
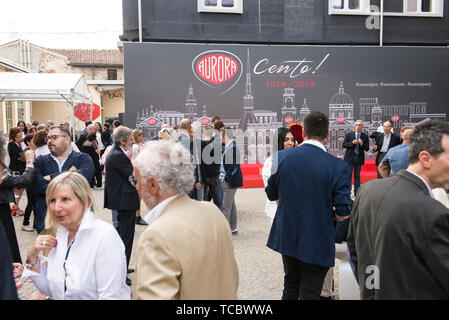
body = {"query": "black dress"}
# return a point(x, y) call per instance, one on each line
point(16, 163)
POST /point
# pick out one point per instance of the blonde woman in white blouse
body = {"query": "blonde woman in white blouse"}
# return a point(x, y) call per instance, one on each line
point(87, 257)
point(285, 140)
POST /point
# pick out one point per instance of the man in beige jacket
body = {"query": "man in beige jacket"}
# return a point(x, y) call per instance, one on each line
point(186, 252)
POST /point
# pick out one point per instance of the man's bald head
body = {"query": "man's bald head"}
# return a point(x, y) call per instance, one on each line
point(185, 124)
point(406, 135)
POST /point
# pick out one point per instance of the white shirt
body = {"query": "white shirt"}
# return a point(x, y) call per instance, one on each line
point(100, 143)
point(96, 264)
point(154, 213)
point(315, 143)
point(42, 151)
point(270, 206)
point(386, 143)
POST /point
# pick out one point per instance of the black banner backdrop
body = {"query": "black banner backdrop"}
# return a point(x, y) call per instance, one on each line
point(259, 88)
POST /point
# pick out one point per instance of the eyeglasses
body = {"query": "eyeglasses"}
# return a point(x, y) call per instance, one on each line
point(55, 136)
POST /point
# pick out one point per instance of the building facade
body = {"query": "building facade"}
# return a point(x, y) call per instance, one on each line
point(103, 70)
point(349, 24)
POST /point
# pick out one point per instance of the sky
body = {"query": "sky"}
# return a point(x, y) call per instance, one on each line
point(71, 24)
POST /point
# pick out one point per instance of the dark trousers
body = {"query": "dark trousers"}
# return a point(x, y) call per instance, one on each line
point(31, 206)
point(211, 190)
point(40, 212)
point(302, 280)
point(10, 232)
point(354, 166)
point(126, 228)
point(97, 178)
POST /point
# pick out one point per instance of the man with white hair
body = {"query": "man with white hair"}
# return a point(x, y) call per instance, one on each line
point(356, 143)
point(186, 252)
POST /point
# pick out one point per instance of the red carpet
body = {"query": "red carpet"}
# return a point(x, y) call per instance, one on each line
point(252, 177)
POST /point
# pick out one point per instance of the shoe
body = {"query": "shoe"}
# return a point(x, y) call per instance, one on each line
point(235, 232)
point(128, 281)
point(326, 298)
point(140, 221)
point(130, 270)
point(17, 212)
point(27, 228)
point(100, 188)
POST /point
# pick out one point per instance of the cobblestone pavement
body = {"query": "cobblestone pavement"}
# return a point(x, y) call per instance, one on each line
point(260, 268)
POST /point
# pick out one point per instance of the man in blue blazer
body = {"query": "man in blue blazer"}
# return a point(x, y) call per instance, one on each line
point(356, 143)
point(309, 183)
point(61, 158)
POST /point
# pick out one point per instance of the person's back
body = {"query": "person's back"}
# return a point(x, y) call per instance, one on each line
point(397, 158)
point(393, 234)
point(197, 240)
point(309, 175)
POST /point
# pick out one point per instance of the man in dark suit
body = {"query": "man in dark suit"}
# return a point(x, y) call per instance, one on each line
point(398, 238)
point(120, 193)
point(61, 158)
point(385, 142)
point(356, 143)
point(230, 177)
point(309, 183)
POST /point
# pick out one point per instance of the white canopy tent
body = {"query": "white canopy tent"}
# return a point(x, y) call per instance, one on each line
point(58, 87)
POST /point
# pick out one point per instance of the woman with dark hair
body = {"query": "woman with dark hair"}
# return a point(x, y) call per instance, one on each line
point(23, 128)
point(90, 146)
point(99, 137)
point(40, 141)
point(285, 140)
point(31, 195)
point(32, 130)
point(16, 164)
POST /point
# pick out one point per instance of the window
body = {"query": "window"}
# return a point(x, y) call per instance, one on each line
point(220, 6)
point(8, 115)
point(408, 8)
point(20, 111)
point(112, 74)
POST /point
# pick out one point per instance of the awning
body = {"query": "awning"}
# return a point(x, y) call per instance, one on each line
point(71, 87)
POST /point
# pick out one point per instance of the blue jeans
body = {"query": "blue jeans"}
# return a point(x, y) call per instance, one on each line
point(356, 167)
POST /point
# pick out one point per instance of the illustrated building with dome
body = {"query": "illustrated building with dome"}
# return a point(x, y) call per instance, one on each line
point(341, 120)
point(373, 114)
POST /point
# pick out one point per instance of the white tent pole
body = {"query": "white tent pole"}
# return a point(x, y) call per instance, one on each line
point(73, 120)
point(139, 10)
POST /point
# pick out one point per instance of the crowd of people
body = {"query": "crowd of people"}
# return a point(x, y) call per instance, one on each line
point(188, 177)
point(76, 255)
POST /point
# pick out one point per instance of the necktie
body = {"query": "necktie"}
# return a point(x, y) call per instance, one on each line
point(357, 145)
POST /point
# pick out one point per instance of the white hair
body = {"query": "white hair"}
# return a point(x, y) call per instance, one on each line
point(170, 163)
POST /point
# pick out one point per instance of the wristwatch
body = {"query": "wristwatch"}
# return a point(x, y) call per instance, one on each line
point(30, 265)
